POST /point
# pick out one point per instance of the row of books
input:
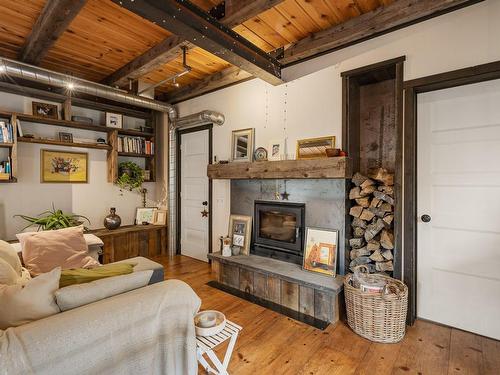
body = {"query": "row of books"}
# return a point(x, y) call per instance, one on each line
point(136, 145)
point(6, 169)
point(6, 132)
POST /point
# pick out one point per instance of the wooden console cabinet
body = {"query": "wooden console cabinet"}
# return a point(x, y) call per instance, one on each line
point(131, 241)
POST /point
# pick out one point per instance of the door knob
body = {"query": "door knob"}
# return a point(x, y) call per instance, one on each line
point(205, 203)
point(425, 218)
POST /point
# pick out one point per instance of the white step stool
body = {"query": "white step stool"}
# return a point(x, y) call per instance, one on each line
point(206, 344)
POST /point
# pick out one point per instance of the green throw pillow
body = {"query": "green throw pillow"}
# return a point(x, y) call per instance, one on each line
point(82, 275)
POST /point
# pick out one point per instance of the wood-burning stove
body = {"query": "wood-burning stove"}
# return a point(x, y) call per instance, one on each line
point(279, 229)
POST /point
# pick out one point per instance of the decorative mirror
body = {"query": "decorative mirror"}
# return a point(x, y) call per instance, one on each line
point(242, 144)
point(313, 148)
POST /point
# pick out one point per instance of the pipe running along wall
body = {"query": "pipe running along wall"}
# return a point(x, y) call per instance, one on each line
point(197, 119)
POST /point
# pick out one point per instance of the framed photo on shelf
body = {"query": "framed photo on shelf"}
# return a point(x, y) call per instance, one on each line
point(276, 150)
point(145, 215)
point(240, 232)
point(160, 217)
point(320, 253)
point(64, 166)
point(44, 110)
point(114, 120)
point(66, 137)
point(314, 148)
point(242, 145)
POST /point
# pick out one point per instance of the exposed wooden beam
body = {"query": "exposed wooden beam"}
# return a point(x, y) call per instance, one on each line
point(399, 14)
point(54, 19)
point(216, 81)
point(191, 23)
point(237, 11)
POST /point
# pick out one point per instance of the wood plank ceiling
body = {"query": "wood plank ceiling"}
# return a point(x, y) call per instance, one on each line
point(104, 37)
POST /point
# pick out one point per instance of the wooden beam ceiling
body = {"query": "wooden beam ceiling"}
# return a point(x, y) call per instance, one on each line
point(237, 11)
point(54, 19)
point(224, 78)
point(382, 20)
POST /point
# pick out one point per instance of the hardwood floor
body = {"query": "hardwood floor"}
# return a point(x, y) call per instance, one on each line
point(271, 343)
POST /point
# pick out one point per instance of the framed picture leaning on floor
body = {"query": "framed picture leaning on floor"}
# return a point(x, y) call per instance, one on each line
point(320, 253)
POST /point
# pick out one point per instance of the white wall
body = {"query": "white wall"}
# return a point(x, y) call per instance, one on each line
point(310, 104)
point(30, 197)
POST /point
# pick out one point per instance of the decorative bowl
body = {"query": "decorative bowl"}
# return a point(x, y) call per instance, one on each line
point(209, 322)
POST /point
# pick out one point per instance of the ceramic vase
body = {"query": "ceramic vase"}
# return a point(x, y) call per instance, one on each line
point(112, 221)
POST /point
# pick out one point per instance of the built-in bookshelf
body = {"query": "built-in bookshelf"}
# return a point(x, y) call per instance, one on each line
point(8, 150)
point(147, 154)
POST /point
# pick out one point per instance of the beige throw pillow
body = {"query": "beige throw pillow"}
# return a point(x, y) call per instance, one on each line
point(20, 305)
point(7, 274)
point(74, 296)
point(65, 248)
point(9, 254)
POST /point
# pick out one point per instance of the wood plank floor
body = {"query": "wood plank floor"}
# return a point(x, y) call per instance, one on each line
point(271, 343)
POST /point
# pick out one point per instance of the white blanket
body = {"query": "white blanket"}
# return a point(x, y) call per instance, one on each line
point(146, 331)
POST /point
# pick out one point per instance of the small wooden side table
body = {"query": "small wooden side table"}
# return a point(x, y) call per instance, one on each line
point(206, 344)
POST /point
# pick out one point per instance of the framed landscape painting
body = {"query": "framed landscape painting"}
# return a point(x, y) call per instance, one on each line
point(64, 166)
point(320, 253)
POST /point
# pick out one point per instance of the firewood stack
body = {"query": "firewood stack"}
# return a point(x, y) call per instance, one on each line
point(372, 241)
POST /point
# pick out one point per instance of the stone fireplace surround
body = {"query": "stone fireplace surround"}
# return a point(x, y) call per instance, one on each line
point(280, 285)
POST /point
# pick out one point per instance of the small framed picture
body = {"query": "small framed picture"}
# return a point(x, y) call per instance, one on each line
point(44, 110)
point(145, 215)
point(114, 120)
point(277, 150)
point(242, 145)
point(160, 217)
point(66, 137)
point(320, 253)
point(314, 148)
point(240, 232)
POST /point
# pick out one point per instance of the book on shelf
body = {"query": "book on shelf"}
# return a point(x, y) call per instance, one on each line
point(136, 145)
point(6, 170)
point(6, 132)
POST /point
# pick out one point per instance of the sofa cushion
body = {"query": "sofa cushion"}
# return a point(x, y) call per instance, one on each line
point(81, 275)
point(23, 304)
point(9, 254)
point(7, 274)
point(146, 264)
point(43, 251)
point(74, 296)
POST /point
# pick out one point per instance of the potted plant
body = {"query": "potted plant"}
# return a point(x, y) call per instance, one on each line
point(54, 219)
point(130, 176)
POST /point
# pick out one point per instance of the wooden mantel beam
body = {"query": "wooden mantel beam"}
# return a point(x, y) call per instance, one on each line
point(54, 19)
point(399, 14)
point(237, 11)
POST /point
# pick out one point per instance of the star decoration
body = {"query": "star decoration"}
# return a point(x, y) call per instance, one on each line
point(204, 213)
point(284, 196)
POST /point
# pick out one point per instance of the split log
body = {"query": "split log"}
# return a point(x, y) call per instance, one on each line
point(373, 245)
point(377, 256)
point(356, 211)
point(387, 254)
point(386, 189)
point(386, 239)
point(357, 243)
point(358, 261)
point(358, 179)
point(367, 191)
point(358, 232)
point(382, 175)
point(383, 196)
point(386, 207)
point(363, 202)
point(357, 222)
point(373, 229)
point(355, 193)
point(377, 211)
point(388, 219)
point(366, 215)
point(376, 202)
point(384, 266)
point(356, 253)
point(366, 183)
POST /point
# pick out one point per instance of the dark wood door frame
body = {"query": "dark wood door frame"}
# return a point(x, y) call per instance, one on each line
point(466, 76)
point(180, 132)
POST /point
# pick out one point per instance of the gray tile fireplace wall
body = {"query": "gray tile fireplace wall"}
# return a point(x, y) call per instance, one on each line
point(324, 199)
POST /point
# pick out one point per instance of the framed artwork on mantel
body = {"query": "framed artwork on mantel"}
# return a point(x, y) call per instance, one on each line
point(242, 145)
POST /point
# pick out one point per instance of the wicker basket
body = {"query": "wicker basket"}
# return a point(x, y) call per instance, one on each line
point(377, 317)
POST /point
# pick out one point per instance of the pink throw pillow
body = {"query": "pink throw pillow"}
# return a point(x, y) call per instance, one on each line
point(65, 248)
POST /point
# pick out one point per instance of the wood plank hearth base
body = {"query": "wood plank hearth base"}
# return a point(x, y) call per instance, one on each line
point(284, 287)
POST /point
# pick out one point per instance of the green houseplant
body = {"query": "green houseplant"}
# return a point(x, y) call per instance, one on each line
point(130, 176)
point(54, 219)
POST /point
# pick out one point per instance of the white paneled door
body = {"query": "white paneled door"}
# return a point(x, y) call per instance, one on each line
point(194, 194)
point(458, 255)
